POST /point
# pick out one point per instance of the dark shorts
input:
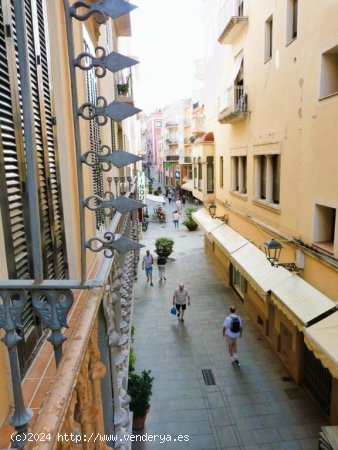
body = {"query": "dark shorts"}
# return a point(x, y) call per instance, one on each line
point(149, 270)
point(178, 307)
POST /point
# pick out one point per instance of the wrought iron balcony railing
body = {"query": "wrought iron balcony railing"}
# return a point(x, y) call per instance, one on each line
point(233, 105)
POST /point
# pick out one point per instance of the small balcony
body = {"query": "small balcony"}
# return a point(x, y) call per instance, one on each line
point(232, 21)
point(172, 141)
point(124, 88)
point(172, 158)
point(171, 124)
point(197, 126)
point(233, 105)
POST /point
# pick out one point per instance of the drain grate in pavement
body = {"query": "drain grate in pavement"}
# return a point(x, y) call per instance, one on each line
point(294, 393)
point(286, 378)
point(208, 376)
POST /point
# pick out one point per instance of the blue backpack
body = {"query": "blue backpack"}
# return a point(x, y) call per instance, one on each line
point(235, 325)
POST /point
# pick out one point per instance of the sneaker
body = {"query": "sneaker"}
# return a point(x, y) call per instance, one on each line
point(237, 362)
point(179, 313)
point(182, 320)
point(164, 278)
point(151, 284)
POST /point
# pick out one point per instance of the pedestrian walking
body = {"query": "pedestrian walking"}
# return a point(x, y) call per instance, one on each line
point(161, 262)
point(147, 264)
point(180, 299)
point(176, 218)
point(178, 204)
point(170, 196)
point(183, 201)
point(232, 330)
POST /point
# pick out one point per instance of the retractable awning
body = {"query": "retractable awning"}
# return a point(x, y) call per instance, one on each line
point(228, 239)
point(253, 265)
point(205, 221)
point(300, 301)
point(188, 186)
point(156, 198)
point(322, 339)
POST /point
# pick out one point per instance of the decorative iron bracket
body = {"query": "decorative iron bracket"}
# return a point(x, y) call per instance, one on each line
point(102, 62)
point(53, 307)
point(13, 303)
point(120, 204)
point(103, 9)
point(118, 158)
point(116, 111)
point(122, 245)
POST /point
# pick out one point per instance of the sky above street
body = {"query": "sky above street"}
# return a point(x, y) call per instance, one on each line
point(167, 39)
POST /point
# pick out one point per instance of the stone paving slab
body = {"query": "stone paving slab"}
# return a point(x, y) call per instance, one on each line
point(249, 407)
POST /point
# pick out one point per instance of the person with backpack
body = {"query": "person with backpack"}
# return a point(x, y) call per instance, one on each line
point(232, 330)
point(161, 262)
point(147, 264)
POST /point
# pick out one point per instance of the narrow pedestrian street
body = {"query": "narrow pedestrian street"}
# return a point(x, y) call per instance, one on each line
point(255, 406)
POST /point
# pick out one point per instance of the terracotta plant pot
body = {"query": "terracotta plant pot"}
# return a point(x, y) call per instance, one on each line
point(139, 421)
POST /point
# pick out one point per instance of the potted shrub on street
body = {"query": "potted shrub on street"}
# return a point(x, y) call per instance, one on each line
point(189, 221)
point(164, 246)
point(140, 390)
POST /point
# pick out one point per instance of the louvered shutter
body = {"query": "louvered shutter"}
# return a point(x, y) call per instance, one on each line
point(95, 141)
point(13, 196)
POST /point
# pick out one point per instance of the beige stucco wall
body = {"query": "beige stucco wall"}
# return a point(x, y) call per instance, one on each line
point(285, 113)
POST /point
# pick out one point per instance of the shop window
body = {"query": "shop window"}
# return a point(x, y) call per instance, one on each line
point(238, 282)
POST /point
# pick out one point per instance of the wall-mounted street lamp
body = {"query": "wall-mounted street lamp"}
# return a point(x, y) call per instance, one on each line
point(212, 212)
point(273, 249)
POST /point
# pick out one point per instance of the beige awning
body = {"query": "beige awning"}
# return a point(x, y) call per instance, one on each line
point(322, 339)
point(205, 221)
point(188, 186)
point(300, 301)
point(253, 265)
point(228, 239)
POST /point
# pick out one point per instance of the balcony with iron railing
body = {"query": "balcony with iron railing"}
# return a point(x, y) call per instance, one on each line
point(171, 124)
point(233, 105)
point(197, 126)
point(124, 87)
point(172, 157)
point(232, 21)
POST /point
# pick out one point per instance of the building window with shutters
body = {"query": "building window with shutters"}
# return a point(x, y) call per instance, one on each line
point(13, 172)
point(267, 179)
point(210, 174)
point(238, 174)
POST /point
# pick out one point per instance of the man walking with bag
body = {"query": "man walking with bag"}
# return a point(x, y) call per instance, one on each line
point(180, 299)
point(232, 330)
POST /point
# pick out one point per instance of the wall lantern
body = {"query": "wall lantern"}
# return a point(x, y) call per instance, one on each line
point(273, 249)
point(212, 211)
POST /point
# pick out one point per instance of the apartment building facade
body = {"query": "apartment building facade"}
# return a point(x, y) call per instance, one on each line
point(67, 235)
point(271, 101)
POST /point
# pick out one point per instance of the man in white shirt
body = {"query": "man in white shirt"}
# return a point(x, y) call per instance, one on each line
point(232, 329)
point(180, 299)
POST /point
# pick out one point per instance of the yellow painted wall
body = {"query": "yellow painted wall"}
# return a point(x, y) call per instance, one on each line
point(285, 112)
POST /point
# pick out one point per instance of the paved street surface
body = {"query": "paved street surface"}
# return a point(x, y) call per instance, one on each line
point(255, 406)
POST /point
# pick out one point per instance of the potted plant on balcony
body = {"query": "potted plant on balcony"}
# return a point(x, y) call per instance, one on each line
point(164, 246)
point(140, 390)
point(122, 89)
point(189, 221)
